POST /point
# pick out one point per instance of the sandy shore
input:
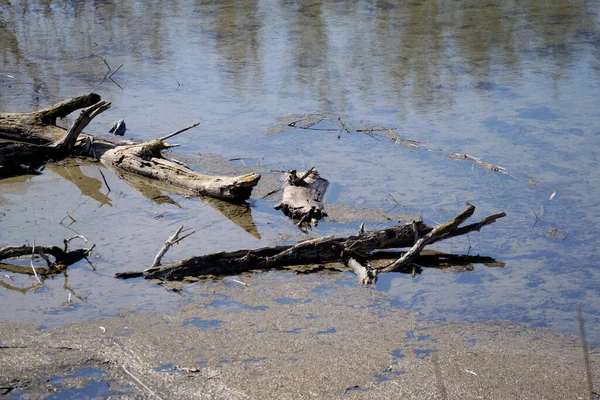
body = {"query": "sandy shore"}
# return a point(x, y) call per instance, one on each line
point(275, 339)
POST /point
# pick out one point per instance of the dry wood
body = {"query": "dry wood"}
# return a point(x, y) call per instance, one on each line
point(436, 234)
point(366, 275)
point(314, 251)
point(173, 239)
point(303, 197)
point(146, 160)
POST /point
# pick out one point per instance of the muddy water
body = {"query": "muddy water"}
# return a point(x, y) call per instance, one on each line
point(514, 83)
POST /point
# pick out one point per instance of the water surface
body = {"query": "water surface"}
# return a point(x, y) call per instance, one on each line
point(514, 83)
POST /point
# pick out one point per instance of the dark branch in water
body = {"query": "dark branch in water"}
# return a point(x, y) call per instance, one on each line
point(314, 251)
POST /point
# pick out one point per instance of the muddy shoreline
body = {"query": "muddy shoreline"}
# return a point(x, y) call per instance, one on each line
point(303, 337)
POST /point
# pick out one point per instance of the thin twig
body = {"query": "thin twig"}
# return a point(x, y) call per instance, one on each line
point(69, 214)
point(173, 239)
point(40, 253)
point(274, 191)
point(438, 232)
point(170, 135)
point(303, 177)
point(119, 86)
point(67, 241)
point(104, 178)
point(115, 71)
point(32, 266)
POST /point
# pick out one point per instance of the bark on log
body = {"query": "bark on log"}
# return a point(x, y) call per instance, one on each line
point(313, 251)
point(303, 198)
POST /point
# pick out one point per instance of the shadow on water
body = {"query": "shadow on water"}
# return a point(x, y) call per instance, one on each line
point(513, 83)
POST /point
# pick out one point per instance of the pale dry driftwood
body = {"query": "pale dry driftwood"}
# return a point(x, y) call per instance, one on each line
point(302, 199)
point(145, 159)
point(314, 251)
point(366, 274)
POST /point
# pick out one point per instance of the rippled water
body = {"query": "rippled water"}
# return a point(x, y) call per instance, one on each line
point(514, 83)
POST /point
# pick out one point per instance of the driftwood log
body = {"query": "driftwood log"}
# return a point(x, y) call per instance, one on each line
point(146, 160)
point(41, 140)
point(302, 199)
point(316, 251)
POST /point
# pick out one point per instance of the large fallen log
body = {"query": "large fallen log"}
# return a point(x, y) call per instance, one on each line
point(48, 141)
point(314, 251)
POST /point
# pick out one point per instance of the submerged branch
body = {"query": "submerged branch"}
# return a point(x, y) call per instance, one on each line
point(314, 251)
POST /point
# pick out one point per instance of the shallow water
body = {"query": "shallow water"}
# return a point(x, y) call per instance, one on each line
point(514, 83)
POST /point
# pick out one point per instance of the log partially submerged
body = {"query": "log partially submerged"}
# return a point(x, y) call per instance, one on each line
point(45, 140)
point(303, 198)
point(313, 251)
point(146, 160)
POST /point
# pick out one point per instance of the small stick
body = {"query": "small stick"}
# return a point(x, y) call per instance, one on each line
point(170, 135)
point(274, 191)
point(119, 86)
point(67, 241)
point(32, 266)
point(440, 231)
point(115, 71)
point(104, 178)
point(301, 179)
point(173, 239)
point(45, 257)
point(366, 276)
point(415, 231)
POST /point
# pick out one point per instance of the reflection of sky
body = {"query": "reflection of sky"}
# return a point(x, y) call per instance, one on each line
point(514, 83)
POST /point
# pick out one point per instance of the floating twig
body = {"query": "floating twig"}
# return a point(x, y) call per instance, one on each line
point(115, 71)
point(104, 179)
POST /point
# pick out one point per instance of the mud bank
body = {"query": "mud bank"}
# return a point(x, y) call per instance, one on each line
point(294, 338)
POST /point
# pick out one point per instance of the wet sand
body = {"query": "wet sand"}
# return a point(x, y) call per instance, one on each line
point(312, 336)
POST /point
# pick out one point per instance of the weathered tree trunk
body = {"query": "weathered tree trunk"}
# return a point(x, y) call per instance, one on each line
point(314, 251)
point(303, 198)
